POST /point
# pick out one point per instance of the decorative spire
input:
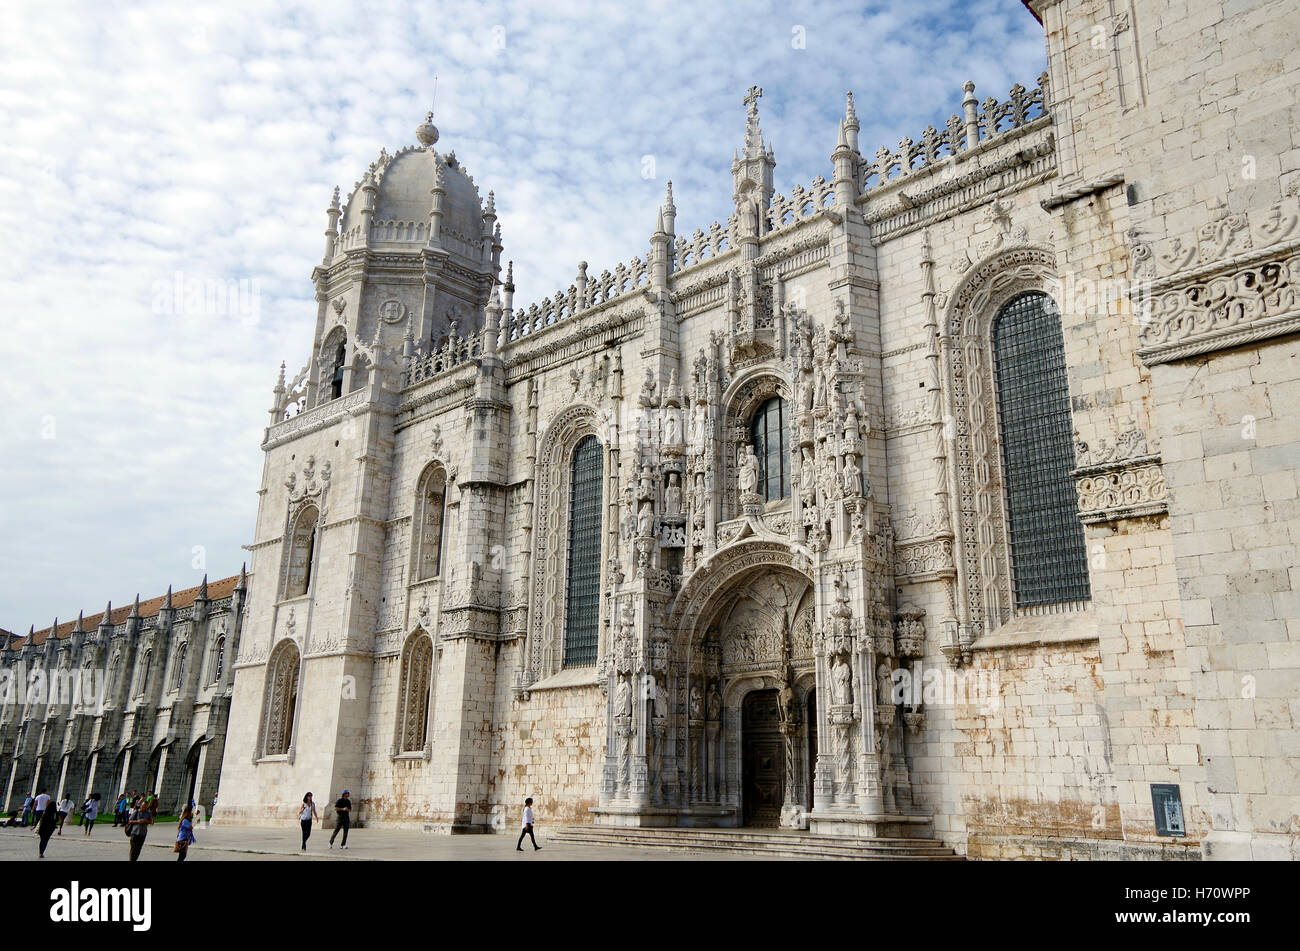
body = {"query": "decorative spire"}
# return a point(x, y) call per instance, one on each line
point(203, 589)
point(135, 608)
point(491, 204)
point(167, 601)
point(79, 628)
point(108, 615)
point(242, 583)
point(668, 200)
point(334, 202)
point(426, 132)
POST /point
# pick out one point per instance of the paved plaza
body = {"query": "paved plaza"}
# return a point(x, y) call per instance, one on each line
point(245, 843)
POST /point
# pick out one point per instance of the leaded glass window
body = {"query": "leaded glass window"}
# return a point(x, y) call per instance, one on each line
point(583, 601)
point(180, 667)
point(1049, 558)
point(767, 434)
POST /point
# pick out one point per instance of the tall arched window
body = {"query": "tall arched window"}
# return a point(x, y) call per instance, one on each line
point(413, 708)
point(1049, 561)
point(430, 506)
point(767, 434)
point(145, 666)
point(281, 699)
point(336, 376)
point(218, 660)
point(180, 667)
point(582, 606)
point(302, 552)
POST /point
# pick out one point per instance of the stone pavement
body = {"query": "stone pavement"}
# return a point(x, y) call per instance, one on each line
point(247, 843)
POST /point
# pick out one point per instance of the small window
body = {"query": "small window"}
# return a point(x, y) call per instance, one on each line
point(180, 667)
point(429, 522)
point(219, 660)
point(767, 433)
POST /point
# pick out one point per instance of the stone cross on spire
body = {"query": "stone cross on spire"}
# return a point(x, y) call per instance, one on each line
point(751, 99)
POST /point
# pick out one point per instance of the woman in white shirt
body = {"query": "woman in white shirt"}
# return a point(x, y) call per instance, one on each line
point(66, 806)
point(528, 827)
point(305, 816)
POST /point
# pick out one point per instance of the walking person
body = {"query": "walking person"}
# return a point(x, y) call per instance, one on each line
point(45, 828)
point(65, 807)
point(39, 805)
point(137, 827)
point(184, 834)
point(90, 812)
point(343, 819)
point(528, 827)
point(305, 816)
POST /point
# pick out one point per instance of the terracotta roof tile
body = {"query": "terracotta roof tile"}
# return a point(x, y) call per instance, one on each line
point(148, 609)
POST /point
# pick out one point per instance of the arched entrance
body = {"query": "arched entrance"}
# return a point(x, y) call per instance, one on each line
point(748, 637)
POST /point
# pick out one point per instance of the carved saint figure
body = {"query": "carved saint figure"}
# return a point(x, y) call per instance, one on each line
point(623, 698)
point(660, 698)
point(715, 702)
point(698, 426)
point(672, 427)
point(852, 478)
point(785, 701)
point(673, 495)
point(697, 702)
point(645, 521)
point(884, 685)
point(841, 682)
point(748, 471)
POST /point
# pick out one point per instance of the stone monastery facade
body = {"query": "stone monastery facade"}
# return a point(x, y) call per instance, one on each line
point(132, 698)
point(1006, 413)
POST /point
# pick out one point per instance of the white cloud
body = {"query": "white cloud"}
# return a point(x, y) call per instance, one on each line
point(205, 138)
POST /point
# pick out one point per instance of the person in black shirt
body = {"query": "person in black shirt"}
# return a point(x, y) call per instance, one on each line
point(343, 810)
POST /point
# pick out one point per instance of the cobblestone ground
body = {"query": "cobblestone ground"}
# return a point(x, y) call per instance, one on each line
point(242, 843)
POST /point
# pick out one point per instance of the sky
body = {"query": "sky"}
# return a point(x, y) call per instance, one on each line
point(156, 143)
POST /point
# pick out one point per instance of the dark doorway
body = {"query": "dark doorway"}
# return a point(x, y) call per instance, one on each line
point(810, 724)
point(191, 776)
point(151, 771)
point(763, 759)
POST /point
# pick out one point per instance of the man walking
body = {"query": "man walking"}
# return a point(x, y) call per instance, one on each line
point(343, 820)
point(528, 827)
point(41, 803)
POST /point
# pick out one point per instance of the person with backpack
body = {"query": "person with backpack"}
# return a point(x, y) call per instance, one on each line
point(137, 826)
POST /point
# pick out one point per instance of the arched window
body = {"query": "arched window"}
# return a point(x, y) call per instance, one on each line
point(218, 660)
point(302, 552)
point(281, 699)
point(582, 610)
point(430, 506)
point(1049, 561)
point(336, 376)
point(180, 667)
point(767, 434)
point(413, 708)
point(145, 667)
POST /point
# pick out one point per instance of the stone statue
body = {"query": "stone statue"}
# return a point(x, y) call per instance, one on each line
point(673, 495)
point(785, 701)
point(645, 527)
point(672, 427)
point(697, 703)
point(748, 471)
point(841, 682)
point(623, 698)
point(698, 418)
point(715, 702)
point(660, 698)
point(852, 478)
point(884, 685)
